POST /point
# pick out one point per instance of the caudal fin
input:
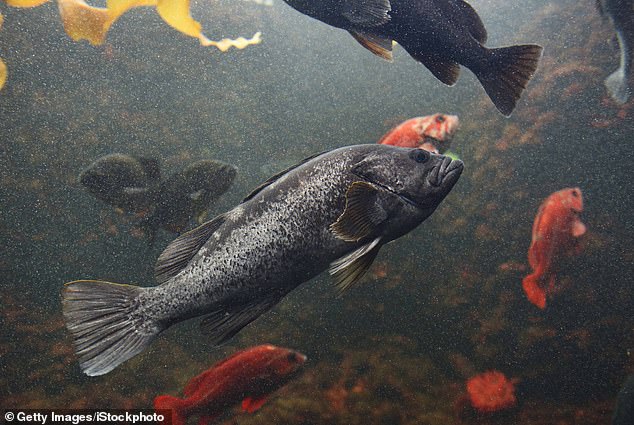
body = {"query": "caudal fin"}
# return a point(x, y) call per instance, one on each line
point(534, 292)
point(106, 323)
point(175, 405)
point(507, 73)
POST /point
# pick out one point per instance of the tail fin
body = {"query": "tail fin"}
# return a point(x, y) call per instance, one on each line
point(167, 402)
point(534, 292)
point(617, 87)
point(507, 73)
point(106, 323)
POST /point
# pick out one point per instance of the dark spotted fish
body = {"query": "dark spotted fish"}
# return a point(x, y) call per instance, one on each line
point(334, 210)
point(440, 34)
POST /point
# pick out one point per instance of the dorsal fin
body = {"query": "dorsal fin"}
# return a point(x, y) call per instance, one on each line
point(197, 380)
point(367, 13)
point(275, 177)
point(472, 21)
point(182, 249)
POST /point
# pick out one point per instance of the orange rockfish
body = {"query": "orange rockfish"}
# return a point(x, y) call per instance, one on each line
point(248, 376)
point(432, 133)
point(555, 235)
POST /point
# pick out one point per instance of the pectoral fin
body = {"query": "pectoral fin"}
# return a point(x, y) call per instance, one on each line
point(382, 47)
point(578, 229)
point(367, 13)
point(352, 267)
point(362, 214)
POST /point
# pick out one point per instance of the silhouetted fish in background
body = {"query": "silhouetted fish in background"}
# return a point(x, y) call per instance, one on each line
point(336, 209)
point(247, 377)
point(621, 14)
point(122, 181)
point(440, 34)
point(134, 185)
point(187, 194)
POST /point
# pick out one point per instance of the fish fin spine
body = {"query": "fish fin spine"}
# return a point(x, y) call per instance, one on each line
point(348, 270)
point(107, 323)
point(506, 74)
point(174, 405)
point(534, 292)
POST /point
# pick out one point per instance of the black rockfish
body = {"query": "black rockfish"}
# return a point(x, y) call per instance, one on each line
point(135, 186)
point(440, 34)
point(187, 194)
point(621, 13)
point(334, 210)
point(122, 181)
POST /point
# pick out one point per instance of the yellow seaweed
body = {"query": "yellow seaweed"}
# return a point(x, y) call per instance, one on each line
point(239, 43)
point(25, 3)
point(176, 14)
point(1, 20)
point(3, 73)
point(84, 22)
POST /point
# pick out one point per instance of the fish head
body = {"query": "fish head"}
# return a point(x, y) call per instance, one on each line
point(285, 362)
point(572, 199)
point(111, 172)
point(441, 127)
point(419, 178)
point(209, 178)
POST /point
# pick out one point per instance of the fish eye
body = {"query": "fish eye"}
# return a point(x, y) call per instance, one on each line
point(419, 155)
point(440, 119)
point(291, 357)
point(575, 193)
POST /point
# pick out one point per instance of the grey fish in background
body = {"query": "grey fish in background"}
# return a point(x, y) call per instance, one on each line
point(134, 185)
point(188, 194)
point(122, 181)
point(621, 14)
point(334, 210)
point(624, 411)
point(440, 34)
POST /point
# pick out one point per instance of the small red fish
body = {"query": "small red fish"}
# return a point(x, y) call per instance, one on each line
point(556, 230)
point(432, 133)
point(247, 377)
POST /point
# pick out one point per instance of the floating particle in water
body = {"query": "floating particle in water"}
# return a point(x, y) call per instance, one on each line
point(3, 66)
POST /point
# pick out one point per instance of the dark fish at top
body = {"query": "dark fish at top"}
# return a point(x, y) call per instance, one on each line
point(122, 181)
point(134, 185)
point(334, 210)
point(247, 377)
point(621, 14)
point(440, 34)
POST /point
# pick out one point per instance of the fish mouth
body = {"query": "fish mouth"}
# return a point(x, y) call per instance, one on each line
point(446, 173)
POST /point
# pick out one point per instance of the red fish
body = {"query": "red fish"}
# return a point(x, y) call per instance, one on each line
point(432, 133)
point(248, 376)
point(556, 230)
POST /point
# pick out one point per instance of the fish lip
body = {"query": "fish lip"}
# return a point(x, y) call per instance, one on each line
point(447, 169)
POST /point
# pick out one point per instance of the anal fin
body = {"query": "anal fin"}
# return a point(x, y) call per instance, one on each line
point(222, 324)
point(251, 405)
point(445, 70)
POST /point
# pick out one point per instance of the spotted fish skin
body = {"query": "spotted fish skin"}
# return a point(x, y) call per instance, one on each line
point(338, 208)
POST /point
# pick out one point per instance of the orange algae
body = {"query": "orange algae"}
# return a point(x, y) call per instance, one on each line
point(84, 22)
